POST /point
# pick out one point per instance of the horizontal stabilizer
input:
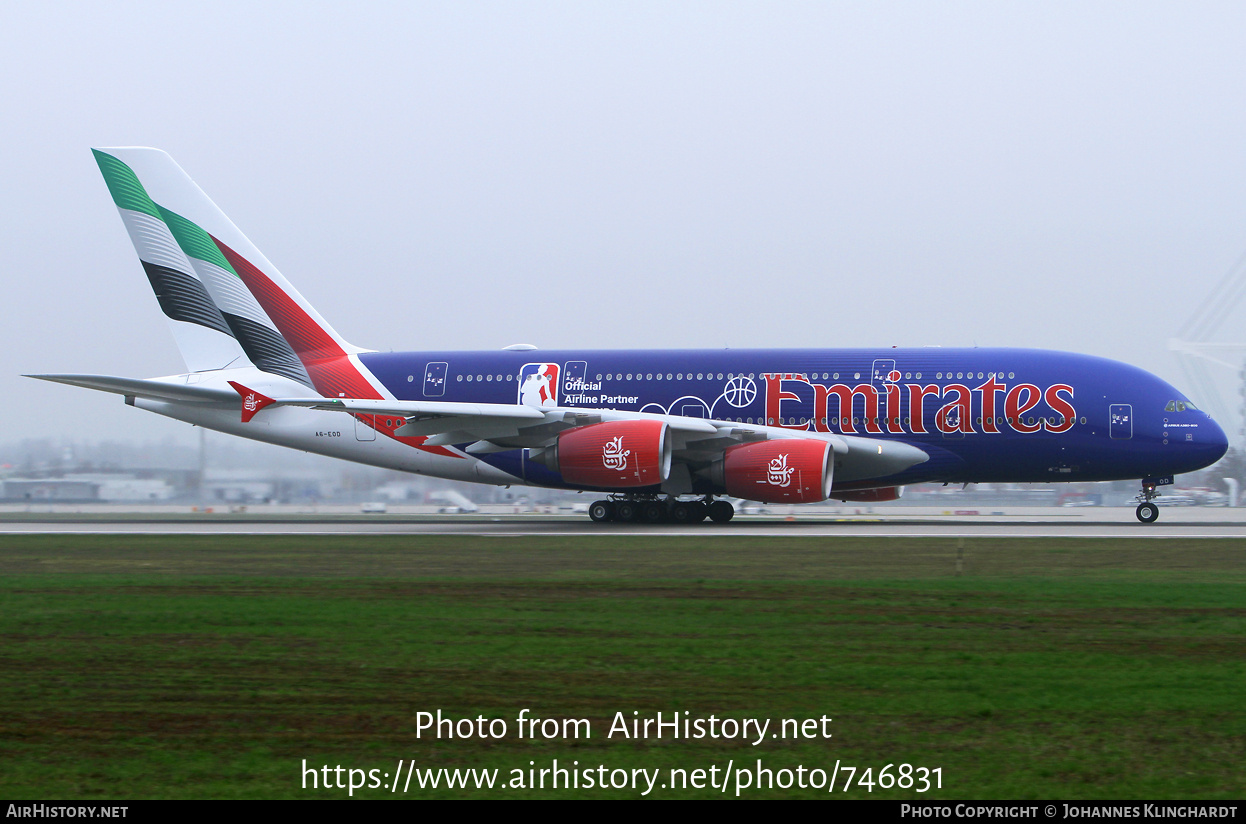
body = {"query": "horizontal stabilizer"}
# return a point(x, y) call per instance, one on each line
point(135, 387)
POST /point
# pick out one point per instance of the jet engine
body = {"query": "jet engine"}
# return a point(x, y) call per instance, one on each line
point(790, 471)
point(611, 455)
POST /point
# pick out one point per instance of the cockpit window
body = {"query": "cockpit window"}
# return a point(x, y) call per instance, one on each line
point(1180, 406)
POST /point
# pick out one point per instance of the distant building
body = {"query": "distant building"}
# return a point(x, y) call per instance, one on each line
point(83, 488)
point(49, 490)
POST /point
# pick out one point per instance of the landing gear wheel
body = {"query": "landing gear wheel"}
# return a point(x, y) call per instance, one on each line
point(653, 512)
point(700, 510)
point(625, 511)
point(1147, 513)
point(681, 513)
point(721, 512)
point(601, 511)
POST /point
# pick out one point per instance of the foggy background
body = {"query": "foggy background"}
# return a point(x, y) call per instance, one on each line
point(468, 176)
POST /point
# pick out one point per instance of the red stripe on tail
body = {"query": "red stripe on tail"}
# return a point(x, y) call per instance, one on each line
point(327, 364)
point(329, 367)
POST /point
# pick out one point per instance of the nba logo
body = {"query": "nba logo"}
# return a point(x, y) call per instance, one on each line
point(538, 384)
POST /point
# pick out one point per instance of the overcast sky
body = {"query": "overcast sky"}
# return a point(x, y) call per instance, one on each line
point(471, 175)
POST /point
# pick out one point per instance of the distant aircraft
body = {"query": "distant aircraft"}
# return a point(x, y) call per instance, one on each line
point(665, 435)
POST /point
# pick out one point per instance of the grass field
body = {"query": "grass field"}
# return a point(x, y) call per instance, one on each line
point(211, 667)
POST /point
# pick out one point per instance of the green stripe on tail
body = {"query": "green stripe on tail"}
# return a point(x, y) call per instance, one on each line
point(195, 242)
point(123, 184)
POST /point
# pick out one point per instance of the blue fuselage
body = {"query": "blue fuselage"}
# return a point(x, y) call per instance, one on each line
point(983, 415)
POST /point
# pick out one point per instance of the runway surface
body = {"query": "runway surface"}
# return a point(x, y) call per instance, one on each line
point(1103, 523)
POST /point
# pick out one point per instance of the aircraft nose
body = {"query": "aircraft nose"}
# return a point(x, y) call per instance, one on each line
point(1211, 443)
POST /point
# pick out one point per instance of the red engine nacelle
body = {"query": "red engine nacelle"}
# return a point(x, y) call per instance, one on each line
point(870, 496)
point(612, 455)
point(791, 471)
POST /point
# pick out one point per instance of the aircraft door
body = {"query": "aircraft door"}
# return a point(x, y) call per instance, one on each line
point(435, 380)
point(883, 374)
point(363, 430)
point(1121, 424)
point(953, 423)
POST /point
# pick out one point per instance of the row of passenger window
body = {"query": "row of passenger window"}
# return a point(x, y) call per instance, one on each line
point(657, 376)
point(969, 375)
point(680, 376)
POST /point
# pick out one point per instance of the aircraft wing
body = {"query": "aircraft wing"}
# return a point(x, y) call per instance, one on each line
point(490, 427)
point(418, 410)
point(487, 428)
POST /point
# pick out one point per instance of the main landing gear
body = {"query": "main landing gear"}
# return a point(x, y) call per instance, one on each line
point(1147, 512)
point(654, 510)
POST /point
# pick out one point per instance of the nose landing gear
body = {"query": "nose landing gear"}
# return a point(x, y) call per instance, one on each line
point(1147, 512)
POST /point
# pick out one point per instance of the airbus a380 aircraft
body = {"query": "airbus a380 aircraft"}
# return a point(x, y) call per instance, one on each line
point(660, 433)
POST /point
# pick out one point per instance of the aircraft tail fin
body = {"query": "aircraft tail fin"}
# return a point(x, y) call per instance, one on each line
point(226, 302)
point(201, 331)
